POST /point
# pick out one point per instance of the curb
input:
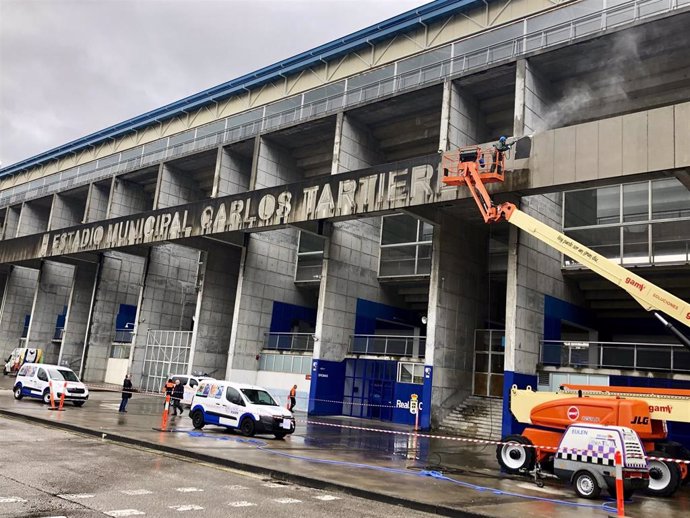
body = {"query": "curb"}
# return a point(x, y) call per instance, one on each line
point(312, 482)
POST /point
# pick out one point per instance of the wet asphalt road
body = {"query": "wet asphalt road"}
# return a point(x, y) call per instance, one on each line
point(47, 472)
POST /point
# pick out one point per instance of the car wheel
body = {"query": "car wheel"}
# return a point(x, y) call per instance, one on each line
point(46, 396)
point(280, 435)
point(18, 392)
point(78, 403)
point(586, 485)
point(515, 456)
point(664, 477)
point(247, 427)
point(198, 419)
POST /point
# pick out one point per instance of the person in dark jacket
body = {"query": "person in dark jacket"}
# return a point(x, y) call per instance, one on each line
point(177, 397)
point(126, 393)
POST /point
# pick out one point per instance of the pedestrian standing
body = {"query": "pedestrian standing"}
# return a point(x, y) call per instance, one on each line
point(293, 397)
point(126, 393)
point(177, 396)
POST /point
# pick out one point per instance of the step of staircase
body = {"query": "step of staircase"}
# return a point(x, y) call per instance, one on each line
point(476, 417)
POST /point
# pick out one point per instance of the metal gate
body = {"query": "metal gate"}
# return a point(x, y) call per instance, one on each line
point(489, 349)
point(167, 352)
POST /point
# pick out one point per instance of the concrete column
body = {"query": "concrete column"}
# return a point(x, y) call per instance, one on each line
point(267, 274)
point(50, 300)
point(82, 295)
point(33, 218)
point(464, 123)
point(355, 146)
point(273, 165)
point(232, 173)
point(458, 304)
point(97, 202)
point(127, 198)
point(119, 281)
point(214, 310)
point(11, 222)
point(175, 188)
point(17, 300)
point(168, 299)
point(65, 212)
point(532, 99)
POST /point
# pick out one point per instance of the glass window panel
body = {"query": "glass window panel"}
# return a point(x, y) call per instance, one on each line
point(210, 129)
point(399, 260)
point(180, 138)
point(311, 243)
point(399, 229)
point(130, 154)
point(324, 92)
point(636, 244)
point(423, 260)
point(497, 363)
point(636, 202)
point(309, 267)
point(671, 242)
point(670, 199)
point(109, 160)
point(243, 118)
point(592, 207)
point(406, 372)
point(426, 231)
point(369, 78)
point(278, 363)
point(481, 362)
point(605, 241)
point(653, 358)
point(322, 99)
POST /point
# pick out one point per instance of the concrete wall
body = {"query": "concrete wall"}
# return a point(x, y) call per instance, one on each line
point(33, 219)
point(458, 305)
point(50, 298)
point(127, 198)
point(232, 173)
point(534, 270)
point(97, 202)
point(17, 300)
point(463, 120)
point(11, 223)
point(169, 297)
point(214, 309)
point(355, 146)
point(65, 212)
point(532, 99)
point(119, 282)
point(273, 165)
point(79, 308)
point(175, 188)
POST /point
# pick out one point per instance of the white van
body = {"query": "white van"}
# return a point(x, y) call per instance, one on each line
point(190, 384)
point(247, 408)
point(33, 380)
point(586, 458)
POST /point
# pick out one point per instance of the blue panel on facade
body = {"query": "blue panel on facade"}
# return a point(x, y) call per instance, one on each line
point(60, 322)
point(326, 389)
point(286, 316)
point(510, 424)
point(126, 315)
point(676, 431)
point(374, 316)
point(557, 310)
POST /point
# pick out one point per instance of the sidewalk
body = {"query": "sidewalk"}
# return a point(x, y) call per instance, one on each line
point(393, 468)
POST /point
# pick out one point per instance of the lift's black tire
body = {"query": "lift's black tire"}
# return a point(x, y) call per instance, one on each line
point(675, 450)
point(586, 485)
point(247, 427)
point(517, 456)
point(197, 419)
point(18, 392)
point(664, 477)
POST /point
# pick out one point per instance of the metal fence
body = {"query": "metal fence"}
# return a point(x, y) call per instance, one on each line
point(289, 341)
point(388, 345)
point(123, 336)
point(167, 352)
point(508, 42)
point(615, 355)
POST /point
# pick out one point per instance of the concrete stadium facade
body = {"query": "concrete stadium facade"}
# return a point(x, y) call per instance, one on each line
point(290, 227)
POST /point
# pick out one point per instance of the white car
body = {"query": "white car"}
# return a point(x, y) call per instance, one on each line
point(34, 379)
point(247, 408)
point(191, 384)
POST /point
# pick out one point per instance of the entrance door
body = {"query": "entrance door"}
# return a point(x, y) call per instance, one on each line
point(489, 349)
point(369, 387)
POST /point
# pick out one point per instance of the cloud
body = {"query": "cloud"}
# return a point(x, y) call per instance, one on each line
point(71, 67)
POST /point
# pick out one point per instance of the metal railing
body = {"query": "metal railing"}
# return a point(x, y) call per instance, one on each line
point(123, 336)
point(512, 41)
point(615, 355)
point(289, 341)
point(388, 345)
point(59, 334)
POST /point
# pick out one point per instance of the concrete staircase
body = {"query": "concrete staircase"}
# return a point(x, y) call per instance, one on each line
point(477, 417)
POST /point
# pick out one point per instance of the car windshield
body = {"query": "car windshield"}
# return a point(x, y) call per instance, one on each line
point(62, 375)
point(259, 397)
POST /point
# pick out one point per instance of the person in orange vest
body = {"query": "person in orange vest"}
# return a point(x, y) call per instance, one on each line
point(169, 385)
point(293, 398)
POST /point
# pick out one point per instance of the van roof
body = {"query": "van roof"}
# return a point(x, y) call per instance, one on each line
point(236, 385)
point(48, 365)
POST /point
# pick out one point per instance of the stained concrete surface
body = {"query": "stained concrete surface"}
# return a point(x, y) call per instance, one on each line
point(382, 463)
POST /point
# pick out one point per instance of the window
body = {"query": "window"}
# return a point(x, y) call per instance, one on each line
point(259, 397)
point(62, 375)
point(183, 379)
point(670, 199)
point(42, 375)
point(592, 207)
point(193, 383)
point(234, 396)
point(411, 373)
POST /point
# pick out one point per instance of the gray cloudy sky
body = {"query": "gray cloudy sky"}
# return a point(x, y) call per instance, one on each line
point(71, 67)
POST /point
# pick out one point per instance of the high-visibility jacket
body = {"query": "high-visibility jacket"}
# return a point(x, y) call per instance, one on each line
point(293, 392)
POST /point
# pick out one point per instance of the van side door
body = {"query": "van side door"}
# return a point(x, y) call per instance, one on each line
point(232, 406)
point(40, 381)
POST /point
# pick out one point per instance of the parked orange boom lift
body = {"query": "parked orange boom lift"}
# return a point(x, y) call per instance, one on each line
point(645, 410)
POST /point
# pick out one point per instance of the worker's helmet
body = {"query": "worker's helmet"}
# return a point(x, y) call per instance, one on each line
point(502, 139)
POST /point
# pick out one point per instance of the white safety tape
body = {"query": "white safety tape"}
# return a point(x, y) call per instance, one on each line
point(464, 439)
